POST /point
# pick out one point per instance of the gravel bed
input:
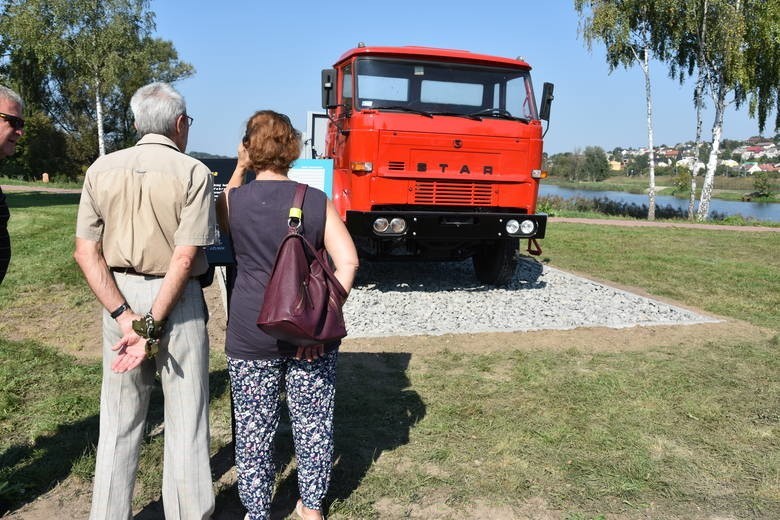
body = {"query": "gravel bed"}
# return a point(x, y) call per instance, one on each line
point(432, 298)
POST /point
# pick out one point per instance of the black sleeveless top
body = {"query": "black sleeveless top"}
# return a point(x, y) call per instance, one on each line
point(258, 223)
point(5, 240)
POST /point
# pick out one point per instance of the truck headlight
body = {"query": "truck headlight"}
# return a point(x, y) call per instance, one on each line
point(527, 227)
point(381, 224)
point(398, 225)
point(512, 226)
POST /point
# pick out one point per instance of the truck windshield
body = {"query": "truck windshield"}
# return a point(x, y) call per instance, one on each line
point(433, 88)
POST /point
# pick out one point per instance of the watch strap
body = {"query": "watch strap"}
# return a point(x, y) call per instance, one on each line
point(119, 310)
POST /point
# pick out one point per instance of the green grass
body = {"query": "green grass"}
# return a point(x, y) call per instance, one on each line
point(43, 230)
point(732, 273)
point(48, 418)
point(72, 185)
point(690, 431)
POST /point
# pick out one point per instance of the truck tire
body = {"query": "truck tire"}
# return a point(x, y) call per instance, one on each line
point(496, 263)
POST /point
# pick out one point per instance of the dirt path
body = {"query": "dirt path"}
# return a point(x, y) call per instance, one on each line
point(7, 188)
point(667, 224)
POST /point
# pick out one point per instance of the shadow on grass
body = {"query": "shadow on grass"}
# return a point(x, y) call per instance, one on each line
point(37, 468)
point(32, 470)
point(37, 198)
point(375, 409)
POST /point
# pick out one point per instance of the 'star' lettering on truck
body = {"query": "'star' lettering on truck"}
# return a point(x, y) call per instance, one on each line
point(437, 154)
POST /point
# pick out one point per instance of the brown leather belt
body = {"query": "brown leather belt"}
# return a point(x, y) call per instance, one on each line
point(130, 270)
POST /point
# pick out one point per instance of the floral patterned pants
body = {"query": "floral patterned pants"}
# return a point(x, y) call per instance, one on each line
point(256, 387)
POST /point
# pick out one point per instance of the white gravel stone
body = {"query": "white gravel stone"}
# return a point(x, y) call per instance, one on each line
point(435, 298)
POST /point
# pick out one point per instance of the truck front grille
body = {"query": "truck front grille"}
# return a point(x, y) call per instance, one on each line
point(396, 166)
point(453, 193)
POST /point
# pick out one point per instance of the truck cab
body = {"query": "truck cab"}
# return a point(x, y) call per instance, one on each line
point(437, 154)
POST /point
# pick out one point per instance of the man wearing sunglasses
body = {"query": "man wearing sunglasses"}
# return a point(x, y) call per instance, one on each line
point(11, 129)
point(144, 216)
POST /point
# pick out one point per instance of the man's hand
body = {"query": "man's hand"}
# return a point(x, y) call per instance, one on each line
point(131, 347)
point(129, 357)
point(310, 353)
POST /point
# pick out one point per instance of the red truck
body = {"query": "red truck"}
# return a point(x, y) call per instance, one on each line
point(437, 154)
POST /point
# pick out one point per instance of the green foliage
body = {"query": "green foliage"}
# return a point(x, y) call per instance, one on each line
point(637, 165)
point(682, 179)
point(595, 164)
point(74, 60)
point(761, 184)
point(43, 149)
point(726, 171)
point(592, 165)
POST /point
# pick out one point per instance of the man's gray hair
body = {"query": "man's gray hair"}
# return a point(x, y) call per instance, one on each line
point(9, 95)
point(155, 109)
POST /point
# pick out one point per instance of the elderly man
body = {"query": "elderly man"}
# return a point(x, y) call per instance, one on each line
point(145, 214)
point(11, 129)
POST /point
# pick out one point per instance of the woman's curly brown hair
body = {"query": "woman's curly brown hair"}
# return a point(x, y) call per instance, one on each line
point(271, 142)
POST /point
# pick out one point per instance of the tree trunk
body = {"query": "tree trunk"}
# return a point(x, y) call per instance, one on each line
point(99, 117)
point(712, 162)
point(699, 100)
point(649, 98)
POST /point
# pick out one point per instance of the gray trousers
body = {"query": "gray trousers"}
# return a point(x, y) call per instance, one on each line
point(124, 401)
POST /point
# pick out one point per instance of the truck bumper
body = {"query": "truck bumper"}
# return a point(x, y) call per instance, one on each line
point(446, 226)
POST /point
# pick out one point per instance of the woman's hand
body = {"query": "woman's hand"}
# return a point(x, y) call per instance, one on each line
point(310, 353)
point(244, 162)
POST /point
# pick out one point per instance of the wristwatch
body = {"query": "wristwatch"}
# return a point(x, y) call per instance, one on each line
point(119, 310)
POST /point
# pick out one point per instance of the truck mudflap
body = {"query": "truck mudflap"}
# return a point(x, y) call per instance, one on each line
point(445, 225)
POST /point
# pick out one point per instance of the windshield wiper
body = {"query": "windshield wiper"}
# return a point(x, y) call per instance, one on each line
point(500, 113)
point(402, 108)
point(456, 114)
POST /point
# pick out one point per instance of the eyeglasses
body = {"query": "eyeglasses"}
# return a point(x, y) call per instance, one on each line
point(17, 123)
point(190, 120)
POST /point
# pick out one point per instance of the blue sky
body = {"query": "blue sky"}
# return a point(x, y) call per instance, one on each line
point(263, 54)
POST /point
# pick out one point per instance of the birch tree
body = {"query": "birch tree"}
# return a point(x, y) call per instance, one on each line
point(734, 48)
point(87, 47)
point(629, 30)
point(700, 20)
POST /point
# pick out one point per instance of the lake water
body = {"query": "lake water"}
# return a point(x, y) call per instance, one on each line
point(767, 211)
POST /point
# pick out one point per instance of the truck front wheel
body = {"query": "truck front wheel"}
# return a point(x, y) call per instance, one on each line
point(496, 263)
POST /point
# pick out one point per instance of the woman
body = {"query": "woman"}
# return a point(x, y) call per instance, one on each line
point(255, 215)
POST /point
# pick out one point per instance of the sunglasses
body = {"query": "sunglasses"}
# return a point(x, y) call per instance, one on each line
point(17, 123)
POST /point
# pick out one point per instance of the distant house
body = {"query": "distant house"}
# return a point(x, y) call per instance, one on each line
point(769, 167)
point(750, 168)
point(688, 162)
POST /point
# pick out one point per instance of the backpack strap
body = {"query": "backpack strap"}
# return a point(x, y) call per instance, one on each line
point(296, 211)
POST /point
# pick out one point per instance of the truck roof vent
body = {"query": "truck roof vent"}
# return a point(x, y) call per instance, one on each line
point(453, 193)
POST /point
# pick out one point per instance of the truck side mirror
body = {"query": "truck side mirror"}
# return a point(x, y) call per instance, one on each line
point(328, 88)
point(547, 98)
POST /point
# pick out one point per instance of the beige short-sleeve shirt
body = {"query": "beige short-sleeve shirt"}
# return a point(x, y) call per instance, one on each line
point(143, 201)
